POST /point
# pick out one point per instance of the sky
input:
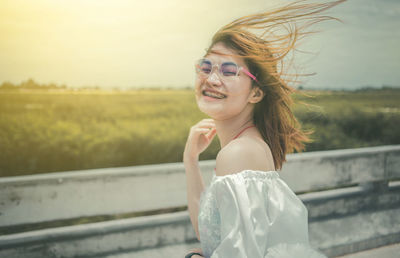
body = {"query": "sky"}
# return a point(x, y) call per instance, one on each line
point(154, 43)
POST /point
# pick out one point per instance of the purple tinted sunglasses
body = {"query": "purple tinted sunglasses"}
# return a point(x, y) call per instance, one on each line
point(227, 70)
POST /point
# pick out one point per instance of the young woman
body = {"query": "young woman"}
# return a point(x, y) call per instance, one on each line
point(241, 84)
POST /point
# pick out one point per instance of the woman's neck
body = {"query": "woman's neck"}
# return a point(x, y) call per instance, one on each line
point(228, 129)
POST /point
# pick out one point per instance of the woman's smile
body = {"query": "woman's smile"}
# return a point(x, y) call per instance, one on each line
point(213, 94)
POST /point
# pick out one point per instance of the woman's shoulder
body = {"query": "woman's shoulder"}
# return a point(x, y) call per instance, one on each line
point(245, 153)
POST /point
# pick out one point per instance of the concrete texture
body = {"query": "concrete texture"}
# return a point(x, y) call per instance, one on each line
point(178, 251)
point(342, 221)
point(175, 251)
point(390, 251)
point(75, 194)
point(334, 235)
point(95, 239)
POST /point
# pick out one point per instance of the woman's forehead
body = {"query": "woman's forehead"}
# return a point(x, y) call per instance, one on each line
point(220, 53)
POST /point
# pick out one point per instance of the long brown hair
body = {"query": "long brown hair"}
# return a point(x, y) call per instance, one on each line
point(263, 40)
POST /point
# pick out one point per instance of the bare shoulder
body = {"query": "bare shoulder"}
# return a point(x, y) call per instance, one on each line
point(245, 153)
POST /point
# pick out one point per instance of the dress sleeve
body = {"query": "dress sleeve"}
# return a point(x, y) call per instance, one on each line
point(257, 211)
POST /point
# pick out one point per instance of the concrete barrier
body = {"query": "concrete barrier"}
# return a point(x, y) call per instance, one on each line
point(362, 212)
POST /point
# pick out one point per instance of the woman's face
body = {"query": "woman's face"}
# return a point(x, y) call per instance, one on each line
point(223, 98)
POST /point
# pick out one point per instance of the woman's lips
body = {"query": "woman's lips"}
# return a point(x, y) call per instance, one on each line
point(213, 94)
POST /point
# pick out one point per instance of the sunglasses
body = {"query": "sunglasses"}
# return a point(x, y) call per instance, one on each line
point(227, 70)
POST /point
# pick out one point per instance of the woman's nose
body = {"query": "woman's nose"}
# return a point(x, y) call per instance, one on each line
point(214, 79)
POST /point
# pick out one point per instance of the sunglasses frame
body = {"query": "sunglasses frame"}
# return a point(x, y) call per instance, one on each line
point(239, 68)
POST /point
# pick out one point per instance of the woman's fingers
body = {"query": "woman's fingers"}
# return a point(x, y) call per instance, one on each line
point(210, 135)
point(196, 250)
point(211, 121)
point(205, 124)
point(200, 137)
point(202, 130)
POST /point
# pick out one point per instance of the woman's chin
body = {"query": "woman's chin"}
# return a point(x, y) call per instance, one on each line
point(210, 109)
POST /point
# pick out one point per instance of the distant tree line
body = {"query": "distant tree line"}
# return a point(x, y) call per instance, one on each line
point(30, 84)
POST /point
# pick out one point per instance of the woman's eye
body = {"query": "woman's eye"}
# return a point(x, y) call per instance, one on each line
point(229, 72)
point(205, 70)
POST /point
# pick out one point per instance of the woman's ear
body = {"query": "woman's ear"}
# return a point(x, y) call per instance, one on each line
point(256, 95)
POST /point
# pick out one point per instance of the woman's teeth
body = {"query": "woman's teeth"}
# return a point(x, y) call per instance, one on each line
point(213, 94)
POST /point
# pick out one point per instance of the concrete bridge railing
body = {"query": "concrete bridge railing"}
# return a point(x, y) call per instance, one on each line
point(353, 197)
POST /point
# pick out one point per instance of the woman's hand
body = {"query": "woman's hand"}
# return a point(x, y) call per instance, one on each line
point(196, 250)
point(200, 137)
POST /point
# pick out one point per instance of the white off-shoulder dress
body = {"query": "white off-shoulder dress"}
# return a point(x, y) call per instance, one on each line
point(253, 214)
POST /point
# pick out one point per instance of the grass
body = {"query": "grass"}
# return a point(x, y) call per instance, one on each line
point(62, 130)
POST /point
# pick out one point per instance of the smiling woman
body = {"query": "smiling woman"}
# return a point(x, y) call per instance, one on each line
point(242, 85)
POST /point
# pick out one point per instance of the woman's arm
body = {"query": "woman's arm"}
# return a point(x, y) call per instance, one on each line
point(199, 139)
point(194, 187)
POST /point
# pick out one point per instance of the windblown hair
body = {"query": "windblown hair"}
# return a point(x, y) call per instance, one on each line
point(264, 40)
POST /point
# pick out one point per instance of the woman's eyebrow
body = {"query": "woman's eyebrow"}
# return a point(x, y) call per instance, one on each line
point(228, 62)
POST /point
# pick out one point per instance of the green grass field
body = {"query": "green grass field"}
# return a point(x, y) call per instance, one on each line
point(50, 131)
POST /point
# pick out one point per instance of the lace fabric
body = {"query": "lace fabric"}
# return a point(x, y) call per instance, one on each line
point(252, 214)
point(209, 218)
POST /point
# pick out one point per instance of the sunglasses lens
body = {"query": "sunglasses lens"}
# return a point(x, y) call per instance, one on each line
point(205, 66)
point(229, 69)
